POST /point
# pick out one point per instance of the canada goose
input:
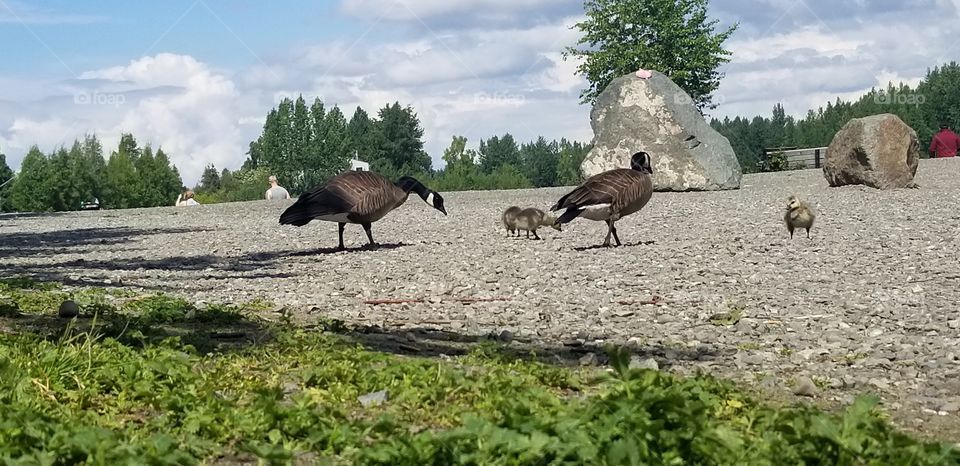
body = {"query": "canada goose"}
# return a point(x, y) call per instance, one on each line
point(530, 219)
point(361, 197)
point(611, 195)
point(798, 215)
point(510, 220)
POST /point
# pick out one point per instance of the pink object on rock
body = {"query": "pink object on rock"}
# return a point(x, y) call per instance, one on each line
point(644, 74)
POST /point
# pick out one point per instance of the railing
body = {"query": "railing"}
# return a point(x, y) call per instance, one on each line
point(796, 159)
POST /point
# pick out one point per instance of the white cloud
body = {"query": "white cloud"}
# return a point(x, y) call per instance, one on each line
point(422, 10)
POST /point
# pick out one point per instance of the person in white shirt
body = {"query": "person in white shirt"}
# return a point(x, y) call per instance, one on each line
point(186, 199)
point(276, 192)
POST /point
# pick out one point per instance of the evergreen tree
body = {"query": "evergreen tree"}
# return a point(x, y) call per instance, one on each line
point(29, 192)
point(122, 183)
point(358, 140)
point(6, 184)
point(210, 180)
point(94, 167)
point(568, 163)
point(169, 181)
point(398, 143)
point(150, 175)
point(497, 152)
point(540, 160)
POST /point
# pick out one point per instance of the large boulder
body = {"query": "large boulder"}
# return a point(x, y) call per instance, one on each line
point(879, 151)
point(654, 115)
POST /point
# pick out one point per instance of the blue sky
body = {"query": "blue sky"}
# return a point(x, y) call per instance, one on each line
point(197, 76)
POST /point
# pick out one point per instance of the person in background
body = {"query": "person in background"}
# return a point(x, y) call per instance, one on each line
point(945, 143)
point(276, 192)
point(186, 199)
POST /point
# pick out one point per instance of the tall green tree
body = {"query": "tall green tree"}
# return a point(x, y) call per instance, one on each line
point(94, 167)
point(6, 180)
point(209, 179)
point(150, 173)
point(674, 37)
point(568, 162)
point(399, 142)
point(169, 180)
point(540, 162)
point(497, 152)
point(122, 186)
point(359, 137)
point(30, 191)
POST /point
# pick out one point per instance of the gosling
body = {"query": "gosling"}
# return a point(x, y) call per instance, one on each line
point(798, 215)
point(510, 220)
point(531, 218)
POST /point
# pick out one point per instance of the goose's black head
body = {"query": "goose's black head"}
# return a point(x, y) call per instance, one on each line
point(641, 162)
point(436, 200)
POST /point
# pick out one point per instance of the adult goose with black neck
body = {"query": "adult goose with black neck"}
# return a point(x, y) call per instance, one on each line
point(359, 197)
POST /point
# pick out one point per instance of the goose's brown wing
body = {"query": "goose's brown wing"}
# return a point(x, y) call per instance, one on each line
point(369, 195)
point(609, 187)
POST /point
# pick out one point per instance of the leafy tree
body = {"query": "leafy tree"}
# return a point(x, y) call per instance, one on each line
point(359, 137)
point(30, 191)
point(122, 183)
point(671, 36)
point(540, 162)
point(7, 181)
point(398, 148)
point(94, 167)
point(168, 180)
point(209, 180)
point(498, 151)
point(569, 159)
point(151, 173)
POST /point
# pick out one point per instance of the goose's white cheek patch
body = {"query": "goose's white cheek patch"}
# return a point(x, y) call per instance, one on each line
point(430, 198)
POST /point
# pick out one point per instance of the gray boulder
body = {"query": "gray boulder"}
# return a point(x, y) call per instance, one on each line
point(656, 116)
point(879, 151)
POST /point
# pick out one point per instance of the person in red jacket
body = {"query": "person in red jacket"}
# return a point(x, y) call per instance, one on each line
point(945, 143)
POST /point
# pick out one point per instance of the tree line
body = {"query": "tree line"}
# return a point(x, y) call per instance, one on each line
point(304, 145)
point(67, 178)
point(935, 100)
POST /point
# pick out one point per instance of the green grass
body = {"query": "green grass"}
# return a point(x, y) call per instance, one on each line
point(130, 388)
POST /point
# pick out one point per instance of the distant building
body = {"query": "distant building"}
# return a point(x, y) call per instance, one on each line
point(359, 165)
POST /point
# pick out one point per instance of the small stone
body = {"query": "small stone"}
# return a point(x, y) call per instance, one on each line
point(506, 336)
point(950, 407)
point(649, 363)
point(373, 399)
point(589, 359)
point(804, 387)
point(69, 309)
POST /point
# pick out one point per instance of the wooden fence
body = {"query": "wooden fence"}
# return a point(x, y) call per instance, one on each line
point(797, 159)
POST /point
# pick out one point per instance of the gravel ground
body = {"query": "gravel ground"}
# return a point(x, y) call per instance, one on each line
point(867, 305)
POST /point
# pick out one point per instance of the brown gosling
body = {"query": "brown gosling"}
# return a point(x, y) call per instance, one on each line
point(531, 218)
point(510, 220)
point(798, 215)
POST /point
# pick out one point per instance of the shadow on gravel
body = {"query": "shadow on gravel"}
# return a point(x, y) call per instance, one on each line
point(275, 255)
point(625, 245)
point(63, 241)
point(425, 342)
point(221, 334)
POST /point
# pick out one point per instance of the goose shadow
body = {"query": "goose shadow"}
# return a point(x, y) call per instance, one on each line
point(335, 250)
point(624, 245)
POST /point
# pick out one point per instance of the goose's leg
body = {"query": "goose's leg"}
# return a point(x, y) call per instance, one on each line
point(606, 241)
point(613, 229)
point(366, 228)
point(535, 236)
point(341, 226)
